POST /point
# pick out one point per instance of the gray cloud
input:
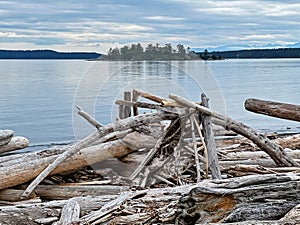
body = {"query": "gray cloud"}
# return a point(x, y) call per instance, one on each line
point(86, 25)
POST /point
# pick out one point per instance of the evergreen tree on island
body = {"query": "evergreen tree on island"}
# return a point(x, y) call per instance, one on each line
point(151, 52)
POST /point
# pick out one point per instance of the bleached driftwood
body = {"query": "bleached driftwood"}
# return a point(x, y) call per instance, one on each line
point(209, 139)
point(15, 143)
point(254, 198)
point(102, 131)
point(26, 168)
point(276, 152)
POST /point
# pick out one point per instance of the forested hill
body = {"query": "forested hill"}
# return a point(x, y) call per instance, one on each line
point(46, 54)
point(259, 53)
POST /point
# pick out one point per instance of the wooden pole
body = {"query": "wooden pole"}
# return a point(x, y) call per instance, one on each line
point(135, 97)
point(127, 109)
point(275, 109)
point(209, 139)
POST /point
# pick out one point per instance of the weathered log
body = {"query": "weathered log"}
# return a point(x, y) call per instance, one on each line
point(13, 195)
point(276, 152)
point(102, 131)
point(264, 197)
point(275, 109)
point(209, 139)
point(60, 192)
point(21, 171)
point(15, 143)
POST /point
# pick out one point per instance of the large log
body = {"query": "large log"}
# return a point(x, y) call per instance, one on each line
point(62, 192)
point(20, 170)
point(275, 109)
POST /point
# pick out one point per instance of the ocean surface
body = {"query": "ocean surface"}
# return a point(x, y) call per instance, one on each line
point(38, 97)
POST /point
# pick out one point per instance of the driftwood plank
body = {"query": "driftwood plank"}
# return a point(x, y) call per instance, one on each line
point(275, 109)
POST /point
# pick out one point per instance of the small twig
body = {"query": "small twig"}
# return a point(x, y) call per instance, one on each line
point(204, 146)
point(163, 179)
point(88, 117)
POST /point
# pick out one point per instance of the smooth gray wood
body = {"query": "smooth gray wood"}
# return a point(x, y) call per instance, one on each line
point(209, 139)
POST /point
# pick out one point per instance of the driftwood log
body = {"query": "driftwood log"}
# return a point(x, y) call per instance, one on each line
point(14, 144)
point(275, 109)
point(25, 168)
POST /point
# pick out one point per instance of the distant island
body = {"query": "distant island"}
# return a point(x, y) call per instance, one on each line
point(46, 54)
point(151, 52)
point(256, 53)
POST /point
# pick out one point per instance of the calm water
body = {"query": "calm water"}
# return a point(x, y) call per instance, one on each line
point(37, 97)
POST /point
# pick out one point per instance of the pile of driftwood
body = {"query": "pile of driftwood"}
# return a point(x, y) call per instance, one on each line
point(163, 166)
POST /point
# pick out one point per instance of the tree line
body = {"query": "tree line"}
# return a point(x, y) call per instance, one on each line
point(260, 53)
point(150, 52)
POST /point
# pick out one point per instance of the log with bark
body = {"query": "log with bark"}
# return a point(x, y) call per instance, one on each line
point(275, 109)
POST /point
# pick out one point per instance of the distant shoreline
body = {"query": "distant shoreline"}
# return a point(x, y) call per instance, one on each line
point(93, 56)
point(46, 54)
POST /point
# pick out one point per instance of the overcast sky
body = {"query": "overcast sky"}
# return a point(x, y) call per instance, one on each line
point(96, 25)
